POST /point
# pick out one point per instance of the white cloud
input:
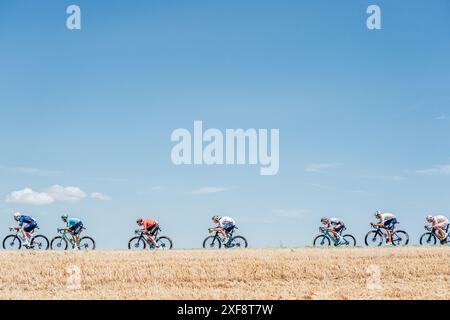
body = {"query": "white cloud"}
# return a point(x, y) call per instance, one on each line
point(28, 196)
point(320, 167)
point(158, 188)
point(208, 190)
point(53, 194)
point(60, 193)
point(436, 170)
point(100, 196)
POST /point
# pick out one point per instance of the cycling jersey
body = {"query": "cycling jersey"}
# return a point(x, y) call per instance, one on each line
point(386, 217)
point(227, 223)
point(149, 223)
point(26, 219)
point(335, 222)
point(72, 222)
point(439, 219)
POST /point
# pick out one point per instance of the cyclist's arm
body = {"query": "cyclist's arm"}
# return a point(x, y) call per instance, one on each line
point(215, 229)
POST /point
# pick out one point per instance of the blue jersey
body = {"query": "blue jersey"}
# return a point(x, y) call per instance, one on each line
point(73, 222)
point(26, 219)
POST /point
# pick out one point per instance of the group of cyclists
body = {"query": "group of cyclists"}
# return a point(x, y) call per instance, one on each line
point(28, 224)
point(388, 221)
point(225, 226)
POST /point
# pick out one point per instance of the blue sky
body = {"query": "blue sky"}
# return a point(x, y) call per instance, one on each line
point(364, 115)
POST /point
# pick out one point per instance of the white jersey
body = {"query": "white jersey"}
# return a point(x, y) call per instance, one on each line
point(226, 221)
point(439, 219)
point(335, 222)
point(387, 216)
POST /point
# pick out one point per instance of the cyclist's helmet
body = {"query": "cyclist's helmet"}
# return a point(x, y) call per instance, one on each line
point(377, 213)
point(324, 220)
point(17, 215)
point(65, 216)
point(139, 220)
point(429, 218)
point(215, 218)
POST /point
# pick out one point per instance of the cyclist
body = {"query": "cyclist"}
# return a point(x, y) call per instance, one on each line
point(440, 224)
point(30, 225)
point(73, 226)
point(149, 228)
point(335, 226)
point(225, 225)
point(386, 221)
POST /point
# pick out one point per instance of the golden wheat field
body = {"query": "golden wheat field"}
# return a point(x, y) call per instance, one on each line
point(306, 273)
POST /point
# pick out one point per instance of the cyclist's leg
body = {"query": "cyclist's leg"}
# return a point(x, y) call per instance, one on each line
point(150, 234)
point(27, 229)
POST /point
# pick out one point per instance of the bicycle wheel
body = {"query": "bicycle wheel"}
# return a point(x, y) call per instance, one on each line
point(164, 243)
point(238, 242)
point(12, 242)
point(86, 243)
point(40, 242)
point(212, 242)
point(58, 243)
point(322, 241)
point(137, 243)
point(428, 239)
point(349, 240)
point(373, 239)
point(400, 238)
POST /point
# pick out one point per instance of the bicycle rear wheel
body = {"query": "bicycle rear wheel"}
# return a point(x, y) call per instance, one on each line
point(137, 243)
point(322, 241)
point(349, 240)
point(374, 239)
point(164, 243)
point(238, 242)
point(212, 242)
point(12, 242)
point(400, 238)
point(86, 243)
point(59, 243)
point(40, 242)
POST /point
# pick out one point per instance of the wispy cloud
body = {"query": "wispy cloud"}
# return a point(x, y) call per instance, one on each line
point(321, 167)
point(394, 178)
point(37, 172)
point(442, 117)
point(100, 196)
point(291, 213)
point(158, 188)
point(436, 170)
point(55, 193)
point(208, 190)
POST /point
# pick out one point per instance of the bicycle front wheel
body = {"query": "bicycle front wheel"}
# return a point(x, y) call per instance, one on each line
point(12, 242)
point(238, 242)
point(59, 243)
point(40, 242)
point(136, 243)
point(212, 242)
point(400, 238)
point(322, 241)
point(374, 239)
point(86, 243)
point(164, 243)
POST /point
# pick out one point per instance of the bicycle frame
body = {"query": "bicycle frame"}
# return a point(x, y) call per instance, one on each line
point(66, 235)
point(144, 236)
point(328, 234)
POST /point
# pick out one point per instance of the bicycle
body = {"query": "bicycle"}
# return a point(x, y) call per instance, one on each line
point(430, 238)
point(141, 242)
point(62, 242)
point(215, 241)
point(16, 241)
point(325, 239)
point(375, 237)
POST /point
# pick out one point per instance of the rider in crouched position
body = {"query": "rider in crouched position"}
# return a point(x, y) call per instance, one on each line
point(149, 228)
point(225, 225)
point(335, 226)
